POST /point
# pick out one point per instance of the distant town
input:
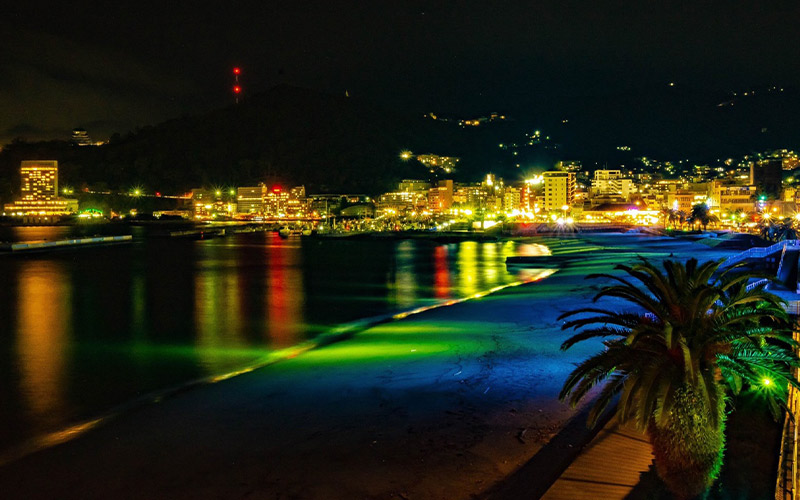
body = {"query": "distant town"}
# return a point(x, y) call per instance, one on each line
point(738, 194)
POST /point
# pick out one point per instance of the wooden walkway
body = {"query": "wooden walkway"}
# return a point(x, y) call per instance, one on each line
point(608, 469)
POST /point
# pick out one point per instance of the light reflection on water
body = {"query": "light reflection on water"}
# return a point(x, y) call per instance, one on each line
point(43, 323)
point(90, 329)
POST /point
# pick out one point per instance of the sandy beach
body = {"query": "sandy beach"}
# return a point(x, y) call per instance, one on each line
point(440, 405)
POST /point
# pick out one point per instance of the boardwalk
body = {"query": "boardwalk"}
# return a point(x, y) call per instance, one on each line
point(608, 469)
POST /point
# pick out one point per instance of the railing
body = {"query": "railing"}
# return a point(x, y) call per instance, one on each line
point(757, 283)
point(759, 252)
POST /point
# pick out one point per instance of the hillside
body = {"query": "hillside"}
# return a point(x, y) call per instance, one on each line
point(287, 135)
point(290, 135)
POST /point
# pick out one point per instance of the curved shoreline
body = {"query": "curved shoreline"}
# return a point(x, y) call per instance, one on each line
point(336, 334)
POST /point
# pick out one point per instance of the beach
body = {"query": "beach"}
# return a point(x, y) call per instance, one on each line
point(444, 404)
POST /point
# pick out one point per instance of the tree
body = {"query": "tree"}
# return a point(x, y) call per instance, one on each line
point(694, 334)
point(778, 229)
point(700, 214)
point(670, 216)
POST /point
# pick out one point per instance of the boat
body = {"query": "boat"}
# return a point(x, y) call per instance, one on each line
point(284, 232)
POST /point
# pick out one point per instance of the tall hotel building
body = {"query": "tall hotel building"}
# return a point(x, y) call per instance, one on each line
point(559, 189)
point(39, 192)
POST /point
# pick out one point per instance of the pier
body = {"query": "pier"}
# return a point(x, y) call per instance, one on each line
point(34, 246)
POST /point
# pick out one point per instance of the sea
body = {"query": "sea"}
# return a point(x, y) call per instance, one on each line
point(85, 330)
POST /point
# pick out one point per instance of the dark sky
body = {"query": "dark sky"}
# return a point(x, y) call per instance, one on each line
point(111, 66)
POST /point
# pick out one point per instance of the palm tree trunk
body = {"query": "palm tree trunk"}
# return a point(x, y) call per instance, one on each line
point(688, 448)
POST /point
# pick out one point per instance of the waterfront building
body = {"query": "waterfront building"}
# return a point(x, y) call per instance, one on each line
point(325, 204)
point(401, 202)
point(276, 202)
point(559, 189)
point(208, 204)
point(39, 192)
point(251, 199)
point(298, 205)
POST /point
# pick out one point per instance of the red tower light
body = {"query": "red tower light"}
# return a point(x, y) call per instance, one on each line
point(236, 71)
point(237, 89)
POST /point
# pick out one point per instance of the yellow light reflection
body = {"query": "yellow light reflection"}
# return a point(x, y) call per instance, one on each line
point(489, 263)
point(405, 283)
point(44, 316)
point(217, 314)
point(467, 265)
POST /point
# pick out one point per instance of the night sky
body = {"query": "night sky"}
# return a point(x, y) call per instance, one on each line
point(111, 67)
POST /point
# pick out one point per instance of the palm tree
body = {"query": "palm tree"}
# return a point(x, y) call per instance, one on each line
point(778, 229)
point(700, 214)
point(695, 333)
point(670, 216)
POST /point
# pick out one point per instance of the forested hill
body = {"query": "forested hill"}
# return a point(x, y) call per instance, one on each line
point(286, 135)
point(333, 143)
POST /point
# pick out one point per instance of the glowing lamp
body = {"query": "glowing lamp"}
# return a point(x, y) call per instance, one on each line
point(237, 89)
point(236, 71)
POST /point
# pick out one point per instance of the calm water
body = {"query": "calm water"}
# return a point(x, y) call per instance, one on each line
point(83, 331)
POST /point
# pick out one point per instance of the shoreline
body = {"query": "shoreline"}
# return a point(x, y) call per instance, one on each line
point(338, 333)
point(406, 412)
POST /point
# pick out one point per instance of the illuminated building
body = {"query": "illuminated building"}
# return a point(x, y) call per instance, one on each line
point(251, 199)
point(39, 192)
point(527, 198)
point(440, 198)
point(559, 189)
point(80, 137)
point(512, 199)
point(276, 201)
point(611, 183)
point(414, 185)
point(732, 197)
point(208, 204)
point(298, 205)
point(684, 198)
point(400, 202)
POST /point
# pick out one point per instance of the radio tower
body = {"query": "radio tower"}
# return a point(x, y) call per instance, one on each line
point(236, 88)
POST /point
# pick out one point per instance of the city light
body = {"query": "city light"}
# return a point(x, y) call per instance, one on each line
point(406, 155)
